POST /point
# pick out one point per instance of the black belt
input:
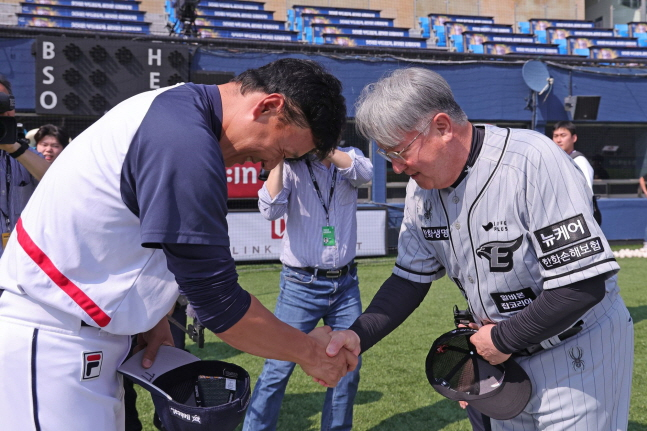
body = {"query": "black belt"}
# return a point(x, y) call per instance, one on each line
point(573, 330)
point(328, 273)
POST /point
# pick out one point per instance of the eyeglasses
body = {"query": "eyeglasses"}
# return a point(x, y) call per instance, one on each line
point(397, 155)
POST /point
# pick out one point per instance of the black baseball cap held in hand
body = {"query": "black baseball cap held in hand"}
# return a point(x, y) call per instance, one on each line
point(457, 372)
point(190, 394)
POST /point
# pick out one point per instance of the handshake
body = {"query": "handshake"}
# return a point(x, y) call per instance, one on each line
point(333, 355)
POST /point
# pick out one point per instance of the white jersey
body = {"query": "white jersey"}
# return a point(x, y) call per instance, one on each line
point(119, 286)
point(584, 166)
point(521, 221)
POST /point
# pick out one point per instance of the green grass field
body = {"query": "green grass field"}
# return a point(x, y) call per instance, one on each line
point(394, 393)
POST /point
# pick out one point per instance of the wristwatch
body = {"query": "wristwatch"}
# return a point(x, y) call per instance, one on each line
point(19, 152)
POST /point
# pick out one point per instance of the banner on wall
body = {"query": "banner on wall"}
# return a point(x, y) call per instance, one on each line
point(254, 238)
point(242, 180)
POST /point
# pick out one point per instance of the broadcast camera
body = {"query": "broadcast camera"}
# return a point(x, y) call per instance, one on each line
point(8, 126)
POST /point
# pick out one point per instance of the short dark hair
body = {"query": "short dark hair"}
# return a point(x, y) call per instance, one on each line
point(313, 97)
point(51, 130)
point(566, 125)
point(6, 83)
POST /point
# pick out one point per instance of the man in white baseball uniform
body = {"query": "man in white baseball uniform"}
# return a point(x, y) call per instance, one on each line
point(506, 215)
point(136, 207)
point(565, 135)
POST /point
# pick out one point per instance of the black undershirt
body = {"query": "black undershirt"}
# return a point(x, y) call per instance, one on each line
point(478, 136)
point(542, 319)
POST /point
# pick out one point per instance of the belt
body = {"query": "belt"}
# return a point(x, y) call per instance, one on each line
point(328, 273)
point(553, 341)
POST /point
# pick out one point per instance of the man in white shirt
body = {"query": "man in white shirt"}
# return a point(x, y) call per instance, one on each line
point(565, 136)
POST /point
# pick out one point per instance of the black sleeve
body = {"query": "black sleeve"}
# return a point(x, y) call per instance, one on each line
point(392, 304)
point(553, 312)
point(207, 276)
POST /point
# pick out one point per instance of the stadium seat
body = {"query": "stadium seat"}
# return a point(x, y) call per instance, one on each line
point(562, 45)
point(476, 49)
point(524, 27)
point(439, 31)
point(291, 19)
point(541, 36)
point(585, 52)
point(642, 39)
point(457, 42)
point(621, 30)
point(424, 25)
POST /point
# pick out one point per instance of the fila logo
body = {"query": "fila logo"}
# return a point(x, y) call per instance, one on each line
point(91, 365)
point(499, 253)
point(278, 228)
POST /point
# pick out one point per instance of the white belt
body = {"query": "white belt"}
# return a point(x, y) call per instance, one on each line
point(23, 310)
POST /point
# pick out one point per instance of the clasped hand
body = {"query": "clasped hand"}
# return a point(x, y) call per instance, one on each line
point(337, 356)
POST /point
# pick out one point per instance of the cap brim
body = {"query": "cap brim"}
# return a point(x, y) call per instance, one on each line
point(511, 398)
point(168, 358)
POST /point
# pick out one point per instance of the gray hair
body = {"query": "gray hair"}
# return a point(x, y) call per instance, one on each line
point(403, 101)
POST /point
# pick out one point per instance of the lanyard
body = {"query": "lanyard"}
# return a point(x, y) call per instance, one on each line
point(332, 190)
point(7, 197)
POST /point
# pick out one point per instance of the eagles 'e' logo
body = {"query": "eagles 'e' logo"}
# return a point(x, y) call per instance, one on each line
point(499, 253)
point(427, 213)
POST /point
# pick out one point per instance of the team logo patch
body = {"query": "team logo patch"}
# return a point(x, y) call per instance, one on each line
point(427, 212)
point(499, 226)
point(499, 253)
point(513, 301)
point(91, 365)
point(576, 353)
point(436, 233)
point(187, 417)
point(563, 233)
point(572, 254)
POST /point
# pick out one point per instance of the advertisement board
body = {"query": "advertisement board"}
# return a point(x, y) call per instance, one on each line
point(497, 48)
point(254, 238)
point(242, 180)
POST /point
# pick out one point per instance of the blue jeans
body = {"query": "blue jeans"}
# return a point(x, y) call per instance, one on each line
point(303, 300)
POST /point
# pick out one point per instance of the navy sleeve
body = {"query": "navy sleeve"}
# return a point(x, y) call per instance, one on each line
point(207, 276)
point(173, 176)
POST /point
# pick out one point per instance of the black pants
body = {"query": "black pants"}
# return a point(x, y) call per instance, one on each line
point(479, 421)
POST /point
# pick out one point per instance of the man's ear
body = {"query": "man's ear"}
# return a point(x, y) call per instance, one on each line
point(268, 104)
point(574, 137)
point(443, 124)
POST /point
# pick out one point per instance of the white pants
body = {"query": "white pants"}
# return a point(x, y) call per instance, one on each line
point(583, 383)
point(55, 379)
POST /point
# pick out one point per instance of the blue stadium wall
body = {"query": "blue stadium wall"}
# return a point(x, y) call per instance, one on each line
point(489, 92)
point(486, 90)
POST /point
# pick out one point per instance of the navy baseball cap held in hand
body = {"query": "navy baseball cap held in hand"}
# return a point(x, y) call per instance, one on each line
point(456, 371)
point(190, 394)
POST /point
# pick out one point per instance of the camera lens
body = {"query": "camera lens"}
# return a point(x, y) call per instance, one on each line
point(7, 130)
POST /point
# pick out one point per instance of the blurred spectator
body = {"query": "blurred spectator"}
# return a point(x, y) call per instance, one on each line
point(51, 140)
point(565, 136)
point(20, 168)
point(599, 173)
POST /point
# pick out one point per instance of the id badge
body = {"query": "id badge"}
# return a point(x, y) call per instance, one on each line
point(328, 234)
point(5, 239)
